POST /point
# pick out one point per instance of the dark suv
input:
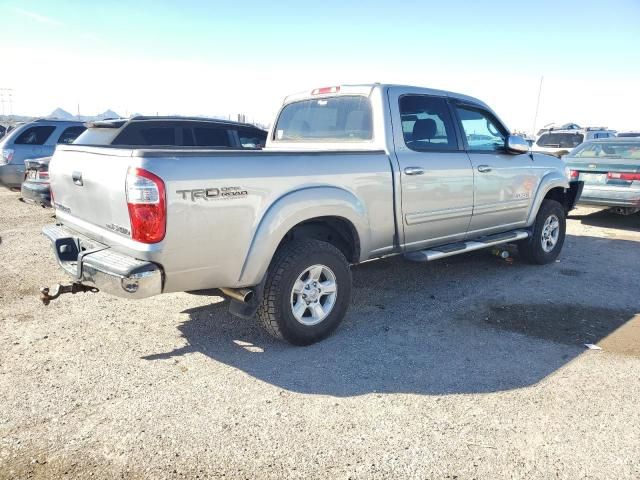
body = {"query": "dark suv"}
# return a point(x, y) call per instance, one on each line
point(185, 132)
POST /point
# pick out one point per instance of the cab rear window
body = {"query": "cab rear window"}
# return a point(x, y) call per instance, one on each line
point(329, 119)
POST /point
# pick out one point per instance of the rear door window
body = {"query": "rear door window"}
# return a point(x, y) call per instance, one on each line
point(70, 134)
point(426, 123)
point(211, 137)
point(252, 137)
point(34, 135)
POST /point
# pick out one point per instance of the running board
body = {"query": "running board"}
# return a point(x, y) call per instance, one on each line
point(443, 251)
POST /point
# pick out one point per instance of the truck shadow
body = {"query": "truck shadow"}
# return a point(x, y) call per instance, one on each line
point(469, 324)
point(607, 219)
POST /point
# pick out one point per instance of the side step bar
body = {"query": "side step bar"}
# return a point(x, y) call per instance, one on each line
point(435, 253)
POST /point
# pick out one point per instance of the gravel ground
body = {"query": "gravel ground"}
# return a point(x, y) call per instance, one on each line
point(470, 367)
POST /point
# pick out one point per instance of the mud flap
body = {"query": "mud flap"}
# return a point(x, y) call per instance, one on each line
point(572, 195)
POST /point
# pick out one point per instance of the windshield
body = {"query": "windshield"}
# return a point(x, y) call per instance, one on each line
point(560, 140)
point(333, 119)
point(608, 150)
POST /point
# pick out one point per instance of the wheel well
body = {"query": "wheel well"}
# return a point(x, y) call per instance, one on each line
point(559, 195)
point(337, 231)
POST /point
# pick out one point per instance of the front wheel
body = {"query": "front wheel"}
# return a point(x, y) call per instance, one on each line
point(307, 292)
point(547, 236)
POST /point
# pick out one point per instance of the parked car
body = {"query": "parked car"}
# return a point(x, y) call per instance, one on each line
point(559, 142)
point(32, 140)
point(610, 170)
point(629, 134)
point(349, 174)
point(147, 131)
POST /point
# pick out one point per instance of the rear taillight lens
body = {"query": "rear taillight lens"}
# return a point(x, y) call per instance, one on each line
point(630, 177)
point(43, 176)
point(574, 174)
point(7, 155)
point(147, 205)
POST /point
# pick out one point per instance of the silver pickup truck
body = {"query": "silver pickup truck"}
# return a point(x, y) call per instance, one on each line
point(349, 174)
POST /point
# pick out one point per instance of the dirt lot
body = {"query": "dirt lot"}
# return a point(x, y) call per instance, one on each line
point(465, 368)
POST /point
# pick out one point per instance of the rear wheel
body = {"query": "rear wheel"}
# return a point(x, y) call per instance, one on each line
point(547, 236)
point(307, 292)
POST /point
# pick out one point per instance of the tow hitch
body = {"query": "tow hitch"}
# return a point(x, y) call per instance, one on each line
point(47, 294)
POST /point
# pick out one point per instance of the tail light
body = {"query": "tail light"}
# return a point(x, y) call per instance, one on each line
point(147, 205)
point(623, 176)
point(7, 155)
point(42, 175)
point(574, 174)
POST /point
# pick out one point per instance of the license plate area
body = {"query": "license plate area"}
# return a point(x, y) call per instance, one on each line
point(594, 178)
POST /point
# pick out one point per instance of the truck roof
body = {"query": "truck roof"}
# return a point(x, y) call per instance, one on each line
point(366, 88)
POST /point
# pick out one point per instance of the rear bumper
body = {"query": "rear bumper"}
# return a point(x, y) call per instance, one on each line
point(34, 192)
point(93, 263)
point(610, 197)
point(11, 175)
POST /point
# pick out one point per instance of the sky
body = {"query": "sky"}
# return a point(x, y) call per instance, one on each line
point(223, 57)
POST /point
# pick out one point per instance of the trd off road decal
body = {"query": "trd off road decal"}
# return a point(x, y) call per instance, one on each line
point(214, 193)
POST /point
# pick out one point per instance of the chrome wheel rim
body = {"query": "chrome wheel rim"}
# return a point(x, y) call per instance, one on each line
point(313, 295)
point(550, 233)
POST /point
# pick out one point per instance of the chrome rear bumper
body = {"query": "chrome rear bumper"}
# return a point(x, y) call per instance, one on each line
point(93, 263)
point(610, 197)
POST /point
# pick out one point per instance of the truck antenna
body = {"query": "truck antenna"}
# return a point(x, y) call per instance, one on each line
point(535, 118)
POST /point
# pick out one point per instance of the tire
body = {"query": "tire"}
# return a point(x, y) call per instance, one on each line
point(292, 273)
point(545, 242)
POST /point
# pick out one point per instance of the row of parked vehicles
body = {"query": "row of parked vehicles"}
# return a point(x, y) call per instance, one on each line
point(608, 162)
point(348, 174)
point(27, 149)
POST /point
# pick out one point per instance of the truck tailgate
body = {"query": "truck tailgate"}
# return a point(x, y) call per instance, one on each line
point(88, 185)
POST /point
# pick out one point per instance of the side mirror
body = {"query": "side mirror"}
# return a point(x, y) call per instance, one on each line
point(516, 144)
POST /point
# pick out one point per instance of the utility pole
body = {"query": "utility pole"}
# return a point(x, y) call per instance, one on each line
point(535, 118)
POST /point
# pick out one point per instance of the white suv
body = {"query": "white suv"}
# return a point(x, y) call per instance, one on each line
point(561, 141)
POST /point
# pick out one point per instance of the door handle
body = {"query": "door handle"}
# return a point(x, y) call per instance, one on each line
point(484, 168)
point(413, 171)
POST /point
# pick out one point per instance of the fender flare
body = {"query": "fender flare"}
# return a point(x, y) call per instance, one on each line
point(553, 179)
point(296, 207)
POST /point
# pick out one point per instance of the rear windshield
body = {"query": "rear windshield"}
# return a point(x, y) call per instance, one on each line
point(560, 140)
point(608, 150)
point(333, 119)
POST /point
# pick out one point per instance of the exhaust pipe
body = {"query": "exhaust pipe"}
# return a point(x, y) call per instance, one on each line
point(243, 295)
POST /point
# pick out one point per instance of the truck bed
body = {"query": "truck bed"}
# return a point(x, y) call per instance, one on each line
point(216, 201)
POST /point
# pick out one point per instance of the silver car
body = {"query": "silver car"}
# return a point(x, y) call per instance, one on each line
point(610, 170)
point(33, 140)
